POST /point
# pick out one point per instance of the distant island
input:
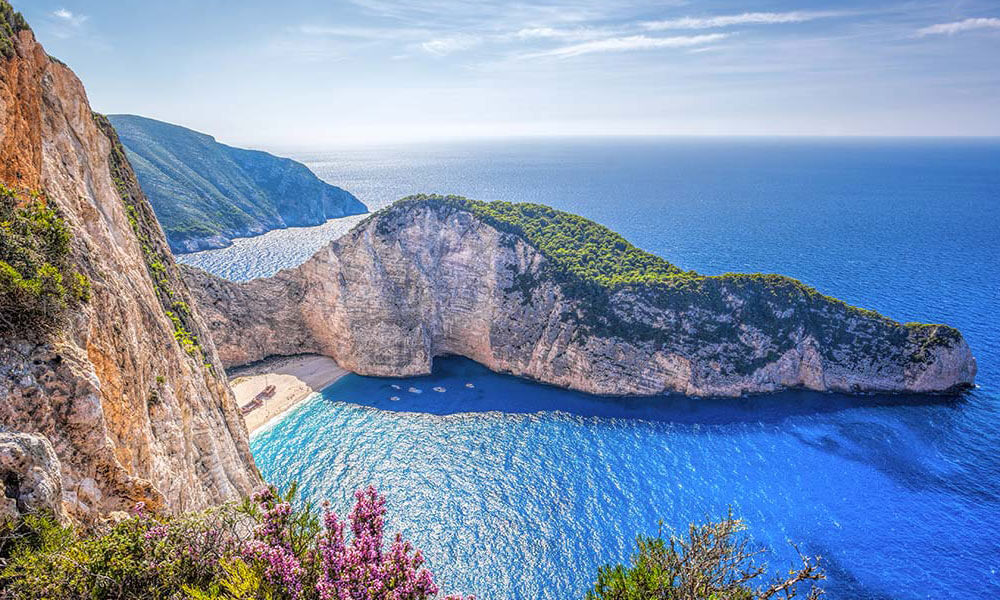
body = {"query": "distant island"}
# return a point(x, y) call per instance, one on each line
point(544, 294)
point(206, 193)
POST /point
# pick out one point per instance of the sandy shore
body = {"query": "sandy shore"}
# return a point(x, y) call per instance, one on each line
point(294, 378)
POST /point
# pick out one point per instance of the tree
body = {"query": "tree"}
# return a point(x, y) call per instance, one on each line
point(714, 562)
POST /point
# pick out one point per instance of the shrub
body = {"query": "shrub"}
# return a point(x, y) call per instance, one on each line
point(261, 550)
point(580, 247)
point(714, 562)
point(37, 281)
point(10, 24)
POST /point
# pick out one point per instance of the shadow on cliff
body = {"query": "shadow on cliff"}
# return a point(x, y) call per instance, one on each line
point(458, 385)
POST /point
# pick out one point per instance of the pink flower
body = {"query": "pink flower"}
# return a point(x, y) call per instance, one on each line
point(156, 533)
point(359, 570)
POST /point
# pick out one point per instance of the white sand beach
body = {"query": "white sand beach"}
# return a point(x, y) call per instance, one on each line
point(294, 378)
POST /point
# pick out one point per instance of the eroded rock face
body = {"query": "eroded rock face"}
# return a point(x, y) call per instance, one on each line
point(132, 415)
point(426, 280)
point(31, 476)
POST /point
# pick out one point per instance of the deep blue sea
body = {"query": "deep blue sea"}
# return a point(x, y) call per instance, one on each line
point(516, 490)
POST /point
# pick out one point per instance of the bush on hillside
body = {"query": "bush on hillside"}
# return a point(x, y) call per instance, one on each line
point(11, 23)
point(37, 281)
point(260, 550)
point(714, 562)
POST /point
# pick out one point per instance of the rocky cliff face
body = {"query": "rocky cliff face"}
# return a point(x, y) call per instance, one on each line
point(129, 390)
point(435, 277)
point(31, 475)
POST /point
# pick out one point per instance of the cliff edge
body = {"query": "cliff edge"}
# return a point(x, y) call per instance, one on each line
point(531, 291)
point(101, 349)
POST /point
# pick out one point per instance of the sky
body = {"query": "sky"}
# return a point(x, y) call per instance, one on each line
point(318, 74)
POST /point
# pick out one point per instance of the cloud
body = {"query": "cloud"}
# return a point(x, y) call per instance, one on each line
point(68, 17)
point(629, 43)
point(960, 26)
point(551, 33)
point(541, 32)
point(447, 45)
point(65, 24)
point(368, 33)
point(750, 18)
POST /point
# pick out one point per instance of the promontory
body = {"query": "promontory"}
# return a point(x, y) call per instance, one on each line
point(539, 293)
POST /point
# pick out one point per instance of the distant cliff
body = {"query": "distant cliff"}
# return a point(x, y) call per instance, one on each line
point(103, 357)
point(206, 193)
point(528, 290)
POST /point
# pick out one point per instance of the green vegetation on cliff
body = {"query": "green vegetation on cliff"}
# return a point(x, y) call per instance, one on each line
point(582, 248)
point(38, 282)
point(11, 23)
point(159, 262)
point(595, 265)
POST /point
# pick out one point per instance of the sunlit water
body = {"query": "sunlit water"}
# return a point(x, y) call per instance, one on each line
point(519, 490)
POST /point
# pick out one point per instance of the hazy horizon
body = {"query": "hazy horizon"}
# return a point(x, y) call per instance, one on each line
point(312, 75)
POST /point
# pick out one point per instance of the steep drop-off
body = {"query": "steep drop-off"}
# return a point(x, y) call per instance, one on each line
point(206, 193)
point(128, 386)
point(539, 293)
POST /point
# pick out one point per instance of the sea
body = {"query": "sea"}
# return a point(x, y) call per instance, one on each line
point(517, 490)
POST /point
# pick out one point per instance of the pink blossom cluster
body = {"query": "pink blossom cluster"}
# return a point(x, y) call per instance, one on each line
point(157, 532)
point(361, 569)
point(281, 567)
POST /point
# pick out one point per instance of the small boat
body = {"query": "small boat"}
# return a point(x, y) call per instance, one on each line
point(394, 398)
point(395, 387)
point(469, 385)
point(439, 389)
point(414, 390)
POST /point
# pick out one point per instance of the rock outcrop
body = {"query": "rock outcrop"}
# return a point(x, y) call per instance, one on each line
point(31, 476)
point(206, 193)
point(129, 389)
point(448, 276)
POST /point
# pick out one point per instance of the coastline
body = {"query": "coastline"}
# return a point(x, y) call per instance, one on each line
point(294, 378)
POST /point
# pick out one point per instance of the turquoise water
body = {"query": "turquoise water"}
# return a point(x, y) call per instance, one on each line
point(518, 490)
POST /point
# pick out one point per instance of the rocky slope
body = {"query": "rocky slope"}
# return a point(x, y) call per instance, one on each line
point(128, 389)
point(542, 294)
point(206, 193)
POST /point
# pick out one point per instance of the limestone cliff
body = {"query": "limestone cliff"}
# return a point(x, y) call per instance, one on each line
point(527, 290)
point(129, 389)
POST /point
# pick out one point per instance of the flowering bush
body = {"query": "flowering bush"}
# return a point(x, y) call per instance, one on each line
point(263, 549)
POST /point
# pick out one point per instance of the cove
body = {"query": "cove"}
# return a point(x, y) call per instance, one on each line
point(519, 490)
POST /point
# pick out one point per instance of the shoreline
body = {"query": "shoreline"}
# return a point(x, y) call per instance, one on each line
point(294, 378)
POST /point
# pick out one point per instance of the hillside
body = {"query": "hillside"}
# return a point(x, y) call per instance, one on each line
point(531, 291)
point(206, 193)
